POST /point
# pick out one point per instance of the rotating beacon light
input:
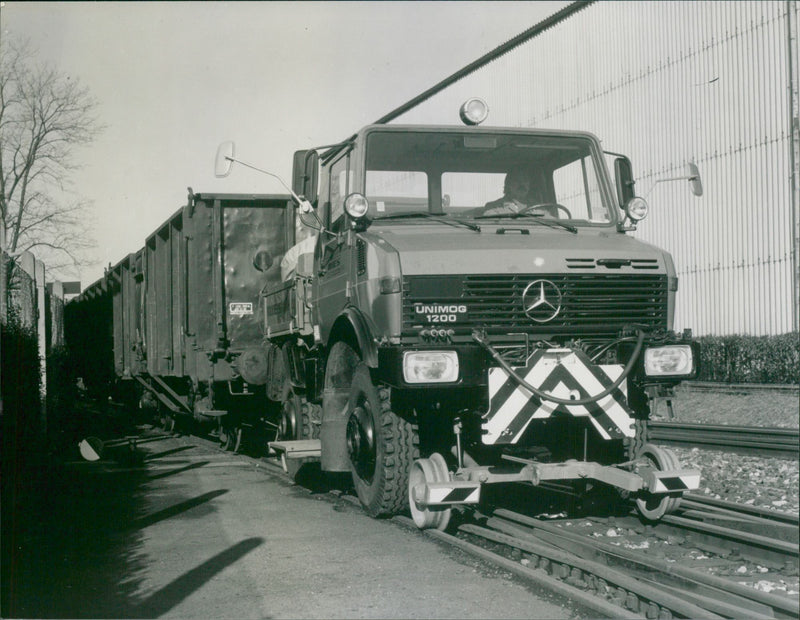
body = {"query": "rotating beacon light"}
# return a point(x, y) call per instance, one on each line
point(473, 111)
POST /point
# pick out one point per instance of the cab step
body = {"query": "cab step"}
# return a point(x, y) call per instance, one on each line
point(301, 450)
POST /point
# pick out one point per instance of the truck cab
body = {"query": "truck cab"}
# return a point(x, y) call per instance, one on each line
point(478, 314)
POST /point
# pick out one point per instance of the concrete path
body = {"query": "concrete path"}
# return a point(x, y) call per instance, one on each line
point(185, 531)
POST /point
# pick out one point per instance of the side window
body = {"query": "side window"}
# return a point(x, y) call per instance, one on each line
point(338, 188)
point(577, 188)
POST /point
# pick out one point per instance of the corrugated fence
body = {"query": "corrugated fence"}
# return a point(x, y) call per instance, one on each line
point(32, 321)
point(670, 83)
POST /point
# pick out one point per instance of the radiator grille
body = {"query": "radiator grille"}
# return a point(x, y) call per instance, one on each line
point(591, 304)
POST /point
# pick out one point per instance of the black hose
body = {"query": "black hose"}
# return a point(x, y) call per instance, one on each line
point(481, 340)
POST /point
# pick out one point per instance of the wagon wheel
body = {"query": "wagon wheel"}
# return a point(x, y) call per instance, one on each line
point(424, 471)
point(381, 445)
point(653, 507)
point(230, 437)
point(166, 421)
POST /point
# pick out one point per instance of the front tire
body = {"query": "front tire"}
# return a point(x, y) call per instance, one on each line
point(381, 445)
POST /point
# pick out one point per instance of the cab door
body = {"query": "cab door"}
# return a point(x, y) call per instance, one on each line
point(334, 281)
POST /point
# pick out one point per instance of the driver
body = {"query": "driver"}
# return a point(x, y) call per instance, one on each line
point(515, 195)
point(520, 196)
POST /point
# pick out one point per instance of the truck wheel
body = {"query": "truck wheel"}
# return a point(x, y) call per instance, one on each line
point(290, 427)
point(382, 447)
point(311, 419)
point(299, 419)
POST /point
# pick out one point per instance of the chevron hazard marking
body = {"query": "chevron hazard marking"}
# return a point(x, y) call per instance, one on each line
point(441, 493)
point(670, 481)
point(562, 374)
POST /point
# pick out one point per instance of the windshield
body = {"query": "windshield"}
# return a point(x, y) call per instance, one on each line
point(484, 176)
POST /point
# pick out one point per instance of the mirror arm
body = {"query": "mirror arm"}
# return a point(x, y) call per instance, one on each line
point(300, 201)
point(693, 177)
point(320, 226)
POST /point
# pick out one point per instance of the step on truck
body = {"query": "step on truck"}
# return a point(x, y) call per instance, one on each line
point(463, 306)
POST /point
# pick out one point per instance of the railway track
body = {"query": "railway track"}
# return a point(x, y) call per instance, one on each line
point(749, 439)
point(687, 566)
point(627, 575)
point(738, 388)
point(632, 578)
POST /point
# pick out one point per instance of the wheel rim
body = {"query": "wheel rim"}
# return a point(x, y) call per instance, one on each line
point(425, 471)
point(289, 419)
point(361, 440)
point(224, 437)
point(655, 507)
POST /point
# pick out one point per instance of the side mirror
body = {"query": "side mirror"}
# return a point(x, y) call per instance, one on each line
point(695, 182)
point(623, 176)
point(305, 174)
point(224, 159)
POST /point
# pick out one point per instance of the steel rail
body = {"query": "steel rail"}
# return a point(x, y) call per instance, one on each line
point(771, 441)
point(694, 500)
point(538, 577)
point(677, 576)
point(738, 388)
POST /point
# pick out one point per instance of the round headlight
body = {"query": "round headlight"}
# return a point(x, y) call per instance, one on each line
point(356, 205)
point(474, 111)
point(636, 208)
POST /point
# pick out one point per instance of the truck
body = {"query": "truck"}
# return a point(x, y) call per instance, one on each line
point(431, 334)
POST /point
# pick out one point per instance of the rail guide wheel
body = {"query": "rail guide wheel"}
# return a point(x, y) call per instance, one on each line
point(424, 471)
point(654, 507)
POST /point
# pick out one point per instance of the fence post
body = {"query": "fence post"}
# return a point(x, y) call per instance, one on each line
point(41, 333)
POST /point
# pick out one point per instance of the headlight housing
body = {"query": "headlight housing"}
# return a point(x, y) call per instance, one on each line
point(637, 209)
point(430, 366)
point(356, 205)
point(674, 360)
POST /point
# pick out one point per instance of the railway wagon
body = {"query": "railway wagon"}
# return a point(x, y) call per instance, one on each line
point(182, 314)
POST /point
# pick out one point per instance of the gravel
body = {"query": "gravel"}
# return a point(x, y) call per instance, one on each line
point(772, 482)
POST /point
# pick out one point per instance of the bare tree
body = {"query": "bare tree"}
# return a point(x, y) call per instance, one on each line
point(43, 116)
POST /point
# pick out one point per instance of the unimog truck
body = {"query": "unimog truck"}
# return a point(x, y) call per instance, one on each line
point(434, 334)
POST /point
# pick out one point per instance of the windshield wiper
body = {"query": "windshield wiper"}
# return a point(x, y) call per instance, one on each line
point(535, 216)
point(444, 219)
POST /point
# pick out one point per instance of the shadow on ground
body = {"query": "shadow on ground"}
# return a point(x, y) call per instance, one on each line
point(72, 531)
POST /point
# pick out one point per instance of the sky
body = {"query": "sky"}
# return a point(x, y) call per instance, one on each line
point(175, 79)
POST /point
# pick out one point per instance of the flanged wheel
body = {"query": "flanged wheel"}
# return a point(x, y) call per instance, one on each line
point(381, 446)
point(424, 471)
point(653, 507)
point(230, 437)
point(168, 423)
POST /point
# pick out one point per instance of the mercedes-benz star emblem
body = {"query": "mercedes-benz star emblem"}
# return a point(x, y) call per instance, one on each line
point(541, 301)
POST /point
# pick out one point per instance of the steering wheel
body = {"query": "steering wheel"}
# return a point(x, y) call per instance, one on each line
point(552, 207)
